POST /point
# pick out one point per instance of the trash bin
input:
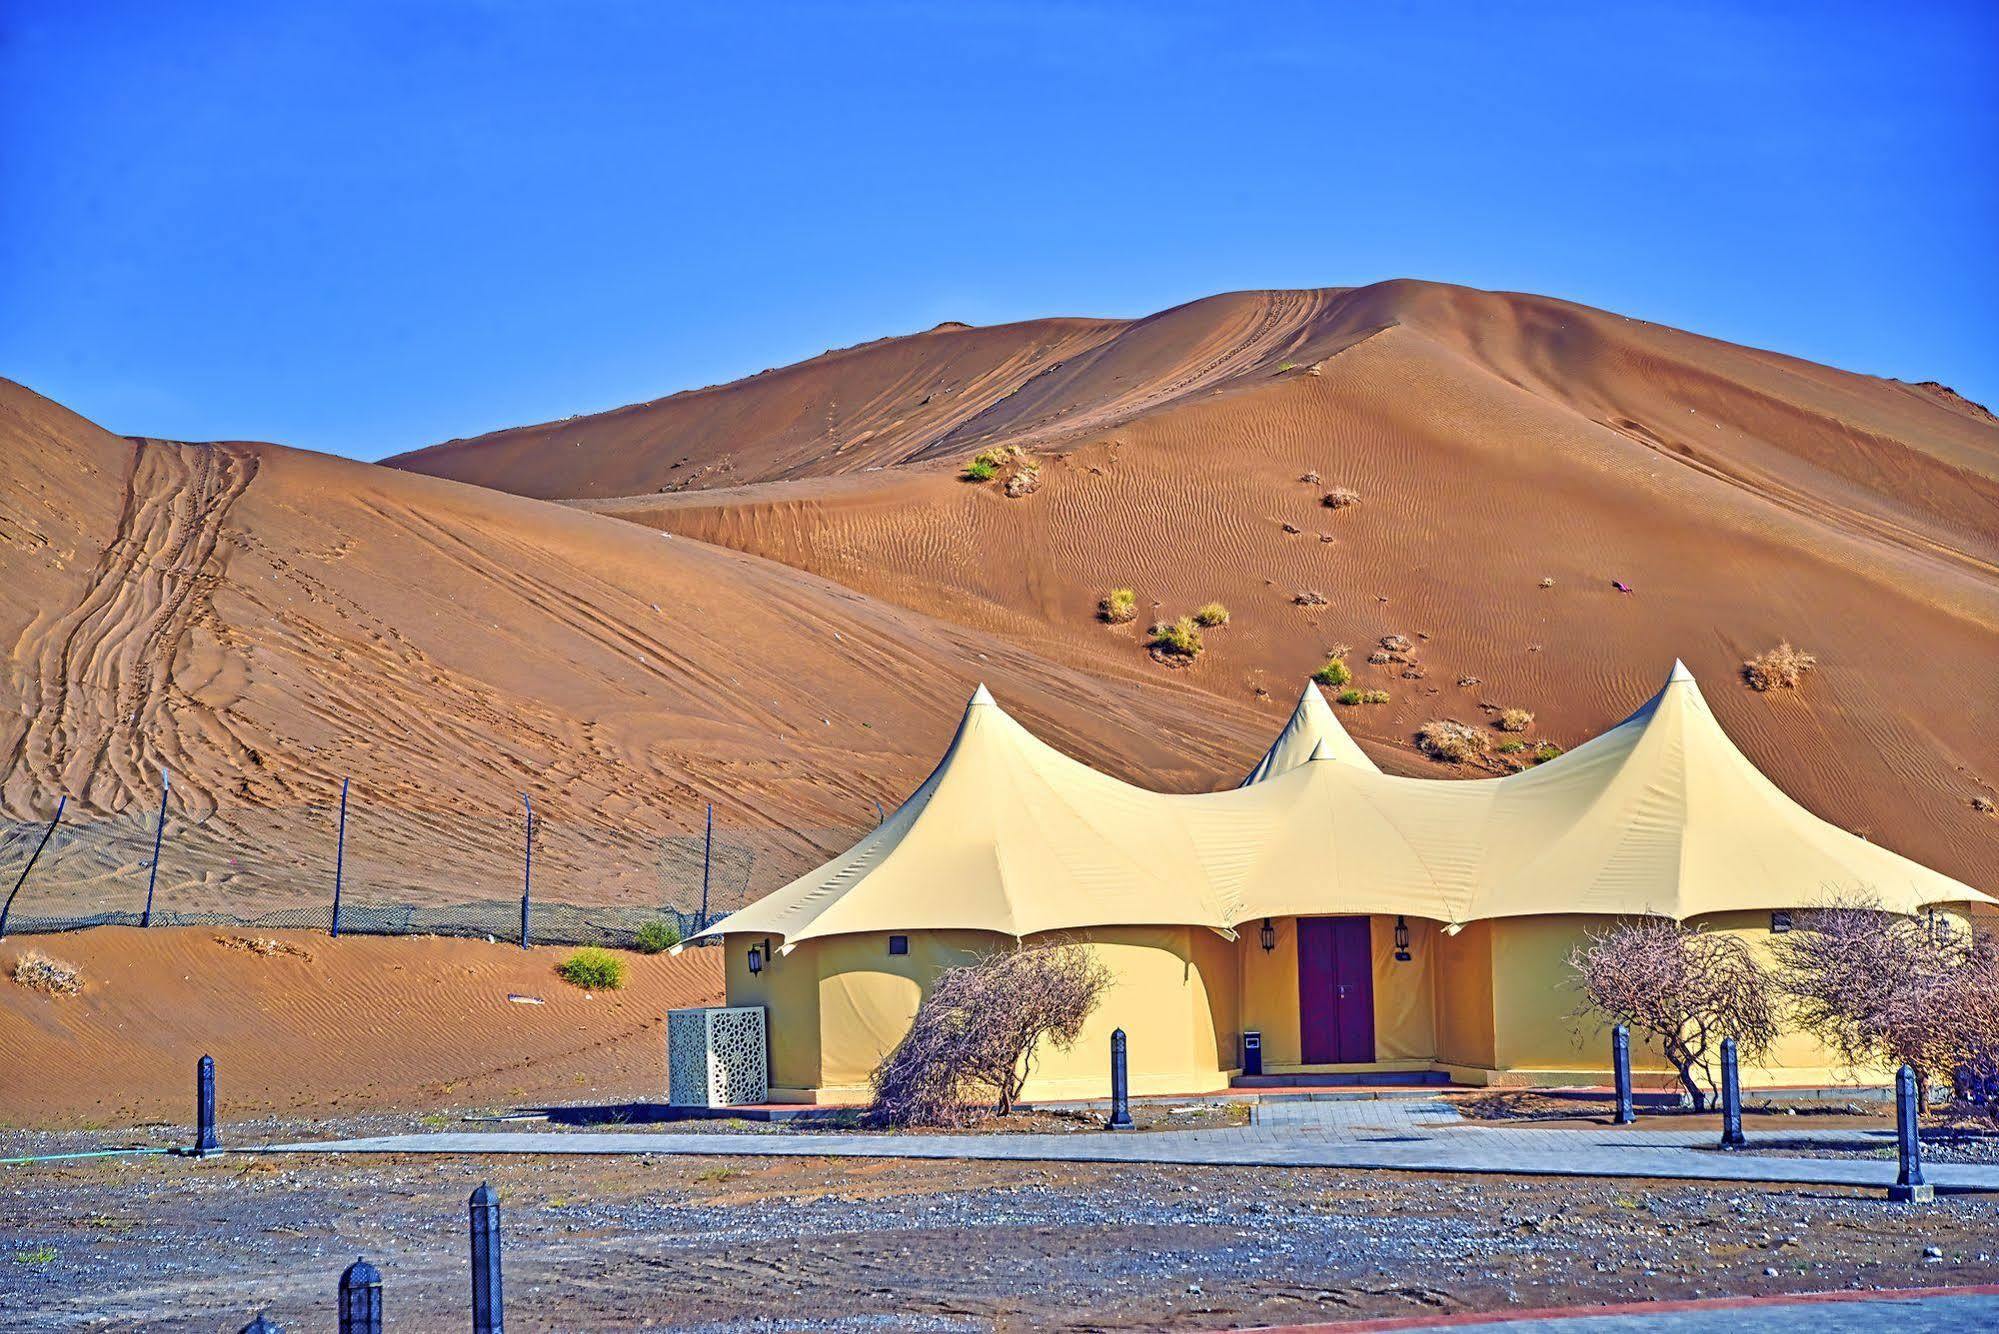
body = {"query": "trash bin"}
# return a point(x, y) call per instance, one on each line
point(1252, 1053)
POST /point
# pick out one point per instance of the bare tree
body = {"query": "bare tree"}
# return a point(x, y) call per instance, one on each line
point(1686, 987)
point(1882, 988)
point(981, 1026)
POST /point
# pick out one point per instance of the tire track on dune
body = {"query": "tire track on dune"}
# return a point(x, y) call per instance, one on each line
point(101, 674)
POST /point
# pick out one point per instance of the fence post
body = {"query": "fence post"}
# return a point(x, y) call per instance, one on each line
point(1120, 1085)
point(1620, 1061)
point(707, 850)
point(360, 1298)
point(487, 1316)
point(1731, 1098)
point(339, 859)
point(159, 832)
point(527, 872)
point(205, 1139)
point(33, 857)
point(1909, 1187)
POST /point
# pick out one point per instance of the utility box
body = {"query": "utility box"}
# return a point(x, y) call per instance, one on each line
point(717, 1057)
point(1252, 1053)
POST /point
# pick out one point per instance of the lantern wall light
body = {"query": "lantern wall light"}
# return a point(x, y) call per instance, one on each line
point(1267, 936)
point(759, 956)
point(1402, 954)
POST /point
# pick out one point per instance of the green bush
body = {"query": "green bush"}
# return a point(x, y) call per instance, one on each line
point(1350, 697)
point(1546, 751)
point(1334, 673)
point(1118, 606)
point(1213, 614)
point(981, 469)
point(656, 936)
point(1374, 697)
point(1182, 637)
point(1509, 747)
point(593, 970)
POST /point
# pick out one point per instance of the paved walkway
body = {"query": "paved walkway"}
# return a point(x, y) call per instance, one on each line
point(1405, 1135)
point(1803, 1313)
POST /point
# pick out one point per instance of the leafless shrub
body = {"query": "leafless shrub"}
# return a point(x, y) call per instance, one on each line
point(1340, 497)
point(1024, 482)
point(1397, 643)
point(1781, 668)
point(1467, 681)
point(1307, 597)
point(980, 1029)
point(1685, 987)
point(1881, 988)
point(1547, 583)
point(39, 972)
point(1310, 479)
point(1983, 804)
point(1453, 741)
point(1514, 720)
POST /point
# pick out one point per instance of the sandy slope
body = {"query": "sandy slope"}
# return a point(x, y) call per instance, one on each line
point(346, 1025)
point(1496, 440)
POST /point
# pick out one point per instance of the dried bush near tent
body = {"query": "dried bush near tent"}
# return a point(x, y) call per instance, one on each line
point(1451, 740)
point(979, 1029)
point(1515, 720)
point(1884, 989)
point(1682, 986)
point(40, 972)
point(1781, 668)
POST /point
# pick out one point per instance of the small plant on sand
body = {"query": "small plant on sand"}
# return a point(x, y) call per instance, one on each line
point(980, 469)
point(1212, 614)
point(593, 970)
point(1452, 741)
point(1334, 673)
point(1512, 747)
point(1348, 697)
point(36, 1257)
point(656, 936)
point(38, 972)
point(1308, 597)
point(1118, 606)
point(1179, 639)
point(1782, 668)
point(1340, 497)
point(1352, 697)
point(1546, 751)
point(1025, 481)
point(1514, 720)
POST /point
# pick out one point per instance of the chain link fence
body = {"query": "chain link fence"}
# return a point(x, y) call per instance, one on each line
point(399, 872)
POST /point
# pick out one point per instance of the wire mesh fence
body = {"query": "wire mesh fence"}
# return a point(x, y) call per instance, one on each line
point(398, 871)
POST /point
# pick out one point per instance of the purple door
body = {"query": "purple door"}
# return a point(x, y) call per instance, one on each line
point(1335, 990)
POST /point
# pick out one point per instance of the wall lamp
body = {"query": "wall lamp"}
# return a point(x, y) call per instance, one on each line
point(1402, 954)
point(758, 955)
point(1267, 937)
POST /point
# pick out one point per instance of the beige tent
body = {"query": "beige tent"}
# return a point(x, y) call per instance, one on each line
point(1660, 815)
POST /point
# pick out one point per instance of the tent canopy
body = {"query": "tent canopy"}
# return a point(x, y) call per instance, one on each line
point(1660, 815)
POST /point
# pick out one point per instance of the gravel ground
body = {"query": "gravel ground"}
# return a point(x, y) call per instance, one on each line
point(757, 1244)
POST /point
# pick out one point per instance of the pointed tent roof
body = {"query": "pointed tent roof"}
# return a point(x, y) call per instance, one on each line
point(1661, 814)
point(1312, 728)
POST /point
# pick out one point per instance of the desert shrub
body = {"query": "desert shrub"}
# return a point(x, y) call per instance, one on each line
point(1983, 804)
point(1514, 720)
point(1310, 478)
point(1334, 673)
point(656, 936)
point(1453, 741)
point(593, 970)
point(39, 972)
point(1547, 583)
point(980, 469)
point(1308, 597)
point(1181, 638)
point(1374, 697)
point(1396, 643)
point(1212, 614)
point(1781, 668)
point(1340, 497)
point(1882, 988)
point(1511, 747)
point(1348, 697)
point(1682, 986)
point(1025, 481)
point(980, 1028)
point(1118, 606)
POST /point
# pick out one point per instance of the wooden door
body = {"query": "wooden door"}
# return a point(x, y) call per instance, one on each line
point(1336, 990)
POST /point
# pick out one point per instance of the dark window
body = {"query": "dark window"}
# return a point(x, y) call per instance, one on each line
point(898, 944)
point(1780, 922)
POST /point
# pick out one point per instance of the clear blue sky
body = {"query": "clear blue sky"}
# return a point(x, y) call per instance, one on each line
point(365, 227)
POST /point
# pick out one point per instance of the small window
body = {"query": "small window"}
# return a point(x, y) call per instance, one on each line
point(898, 944)
point(1780, 922)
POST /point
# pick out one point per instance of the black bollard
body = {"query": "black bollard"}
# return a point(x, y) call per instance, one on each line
point(487, 1317)
point(1120, 1085)
point(1909, 1187)
point(360, 1298)
point(1620, 1062)
point(1731, 1098)
point(262, 1325)
point(205, 1140)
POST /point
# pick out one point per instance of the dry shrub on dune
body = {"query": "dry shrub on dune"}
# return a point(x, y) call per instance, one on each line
point(1178, 639)
point(1450, 740)
point(1781, 668)
point(38, 972)
point(1514, 720)
point(1118, 606)
point(1334, 673)
point(1212, 614)
point(1340, 497)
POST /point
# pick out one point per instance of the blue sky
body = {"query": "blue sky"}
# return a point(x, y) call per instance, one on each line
point(366, 227)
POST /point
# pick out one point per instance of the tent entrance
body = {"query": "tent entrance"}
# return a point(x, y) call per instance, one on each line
point(1335, 990)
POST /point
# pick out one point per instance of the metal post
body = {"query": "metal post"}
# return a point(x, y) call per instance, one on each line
point(339, 858)
point(159, 832)
point(1120, 1085)
point(33, 857)
point(360, 1298)
point(707, 849)
point(487, 1317)
point(1620, 1061)
point(1731, 1098)
point(1909, 1187)
point(527, 872)
point(205, 1140)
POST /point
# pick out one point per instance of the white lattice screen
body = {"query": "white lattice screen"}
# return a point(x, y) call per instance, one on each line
point(716, 1057)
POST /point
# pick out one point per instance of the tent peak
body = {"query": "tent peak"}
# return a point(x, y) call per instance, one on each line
point(1679, 673)
point(1319, 752)
point(981, 695)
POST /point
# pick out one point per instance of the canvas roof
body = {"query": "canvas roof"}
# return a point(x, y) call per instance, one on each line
point(1312, 724)
point(1659, 815)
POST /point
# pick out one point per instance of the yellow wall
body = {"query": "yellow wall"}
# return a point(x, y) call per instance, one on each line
point(1464, 997)
point(1404, 1022)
